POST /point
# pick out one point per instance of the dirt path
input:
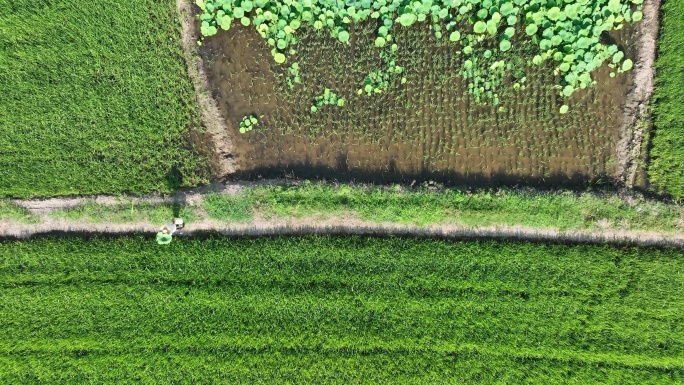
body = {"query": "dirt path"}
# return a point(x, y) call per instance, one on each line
point(343, 224)
point(209, 111)
point(636, 107)
point(347, 226)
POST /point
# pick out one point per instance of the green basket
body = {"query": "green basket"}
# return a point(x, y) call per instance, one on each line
point(163, 239)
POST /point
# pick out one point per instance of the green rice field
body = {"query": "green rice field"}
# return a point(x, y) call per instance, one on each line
point(338, 310)
point(665, 170)
point(95, 99)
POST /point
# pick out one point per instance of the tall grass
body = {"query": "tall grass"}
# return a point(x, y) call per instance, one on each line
point(665, 170)
point(563, 210)
point(95, 99)
point(338, 310)
point(131, 212)
point(9, 210)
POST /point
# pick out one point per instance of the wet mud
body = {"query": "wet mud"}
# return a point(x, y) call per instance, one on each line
point(427, 129)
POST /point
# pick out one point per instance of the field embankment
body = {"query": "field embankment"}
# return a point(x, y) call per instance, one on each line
point(96, 99)
point(666, 170)
point(338, 310)
point(430, 210)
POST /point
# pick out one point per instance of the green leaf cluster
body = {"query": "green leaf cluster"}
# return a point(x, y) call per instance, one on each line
point(248, 123)
point(567, 31)
point(380, 79)
point(328, 98)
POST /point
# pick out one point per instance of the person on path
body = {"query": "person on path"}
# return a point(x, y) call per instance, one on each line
point(165, 234)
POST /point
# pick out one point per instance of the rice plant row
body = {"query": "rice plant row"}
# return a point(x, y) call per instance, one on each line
point(338, 310)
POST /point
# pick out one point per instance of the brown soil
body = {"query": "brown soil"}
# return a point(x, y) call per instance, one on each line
point(636, 121)
point(429, 128)
point(223, 159)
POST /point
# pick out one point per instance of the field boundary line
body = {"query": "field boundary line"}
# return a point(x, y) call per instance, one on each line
point(211, 116)
point(635, 114)
point(333, 222)
point(341, 225)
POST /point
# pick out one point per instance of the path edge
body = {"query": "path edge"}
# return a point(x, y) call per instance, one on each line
point(362, 228)
point(209, 112)
point(636, 122)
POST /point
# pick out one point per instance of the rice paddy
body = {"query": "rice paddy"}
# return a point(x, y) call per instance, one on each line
point(338, 310)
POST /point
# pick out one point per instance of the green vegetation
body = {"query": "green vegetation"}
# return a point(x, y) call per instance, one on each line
point(328, 98)
point(248, 123)
point(568, 33)
point(429, 124)
point(338, 310)
point(565, 210)
point(666, 169)
point(95, 99)
point(9, 210)
point(126, 212)
point(423, 206)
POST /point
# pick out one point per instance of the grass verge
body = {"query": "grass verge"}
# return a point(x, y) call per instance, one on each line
point(563, 210)
point(338, 310)
point(9, 210)
point(95, 99)
point(126, 213)
point(665, 170)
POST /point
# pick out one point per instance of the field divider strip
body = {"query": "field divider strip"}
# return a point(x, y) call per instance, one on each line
point(330, 226)
point(635, 115)
point(209, 111)
point(143, 215)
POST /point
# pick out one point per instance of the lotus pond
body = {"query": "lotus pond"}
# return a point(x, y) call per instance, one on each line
point(470, 91)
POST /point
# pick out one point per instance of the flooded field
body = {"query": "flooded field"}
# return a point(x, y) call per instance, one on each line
point(428, 128)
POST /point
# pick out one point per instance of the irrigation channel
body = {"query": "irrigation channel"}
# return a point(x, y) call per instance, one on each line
point(333, 223)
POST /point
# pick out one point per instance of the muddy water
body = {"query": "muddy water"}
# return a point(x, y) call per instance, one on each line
point(428, 128)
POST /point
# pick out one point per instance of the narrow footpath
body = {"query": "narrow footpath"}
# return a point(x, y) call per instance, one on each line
point(336, 224)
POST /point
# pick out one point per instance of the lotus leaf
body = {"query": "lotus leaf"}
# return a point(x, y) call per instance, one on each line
point(618, 56)
point(225, 22)
point(614, 6)
point(407, 19)
point(279, 58)
point(554, 13)
point(507, 9)
point(568, 90)
point(343, 36)
point(545, 44)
